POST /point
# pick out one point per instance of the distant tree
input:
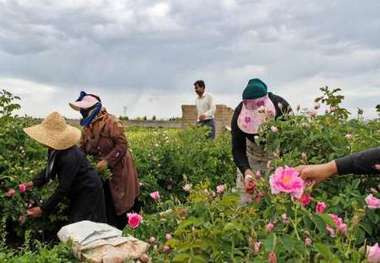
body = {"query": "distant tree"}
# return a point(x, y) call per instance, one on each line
point(154, 118)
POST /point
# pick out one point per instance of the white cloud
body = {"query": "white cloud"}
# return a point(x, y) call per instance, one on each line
point(26, 88)
point(143, 49)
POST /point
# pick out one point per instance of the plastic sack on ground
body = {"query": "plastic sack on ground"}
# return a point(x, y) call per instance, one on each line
point(101, 243)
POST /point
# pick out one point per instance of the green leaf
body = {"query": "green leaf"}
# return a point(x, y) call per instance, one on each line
point(292, 244)
point(327, 219)
point(232, 226)
point(181, 258)
point(199, 259)
point(367, 228)
point(359, 235)
point(269, 242)
point(189, 222)
point(324, 251)
point(320, 224)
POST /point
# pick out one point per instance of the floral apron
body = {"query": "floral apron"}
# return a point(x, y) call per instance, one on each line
point(258, 160)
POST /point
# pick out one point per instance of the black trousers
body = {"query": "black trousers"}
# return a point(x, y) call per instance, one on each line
point(82, 206)
point(210, 123)
point(113, 219)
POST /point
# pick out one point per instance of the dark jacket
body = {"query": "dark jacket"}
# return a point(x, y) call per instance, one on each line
point(77, 181)
point(239, 144)
point(359, 163)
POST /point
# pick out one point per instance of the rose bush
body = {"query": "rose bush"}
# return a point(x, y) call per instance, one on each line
point(167, 160)
point(281, 218)
point(335, 221)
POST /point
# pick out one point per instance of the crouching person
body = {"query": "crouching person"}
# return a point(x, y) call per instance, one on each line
point(77, 180)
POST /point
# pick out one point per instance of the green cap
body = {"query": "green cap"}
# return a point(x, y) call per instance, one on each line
point(255, 89)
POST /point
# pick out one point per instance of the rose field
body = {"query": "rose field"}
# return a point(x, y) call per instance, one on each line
point(191, 210)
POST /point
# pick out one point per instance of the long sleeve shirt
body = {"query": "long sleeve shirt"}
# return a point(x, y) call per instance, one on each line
point(75, 176)
point(359, 163)
point(239, 143)
point(205, 106)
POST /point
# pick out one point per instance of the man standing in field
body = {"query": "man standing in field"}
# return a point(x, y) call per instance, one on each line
point(206, 108)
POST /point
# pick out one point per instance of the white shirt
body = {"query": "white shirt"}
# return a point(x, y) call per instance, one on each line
point(205, 105)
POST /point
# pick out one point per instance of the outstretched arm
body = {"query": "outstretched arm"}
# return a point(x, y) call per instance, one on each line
point(365, 162)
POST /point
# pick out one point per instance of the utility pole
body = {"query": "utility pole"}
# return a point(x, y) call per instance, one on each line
point(124, 111)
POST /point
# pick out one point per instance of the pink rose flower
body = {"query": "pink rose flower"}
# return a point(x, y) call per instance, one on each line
point(187, 187)
point(220, 189)
point(246, 198)
point(341, 227)
point(258, 174)
point(10, 193)
point(331, 231)
point(312, 113)
point(320, 207)
point(257, 247)
point(269, 227)
point(285, 218)
point(372, 202)
point(258, 197)
point(155, 195)
point(22, 188)
point(286, 179)
point(373, 254)
point(166, 249)
point(272, 258)
point(337, 220)
point(308, 241)
point(134, 220)
point(274, 129)
point(348, 136)
point(305, 199)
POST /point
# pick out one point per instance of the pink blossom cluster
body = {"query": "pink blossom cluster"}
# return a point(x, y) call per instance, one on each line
point(372, 202)
point(340, 226)
point(286, 180)
point(373, 253)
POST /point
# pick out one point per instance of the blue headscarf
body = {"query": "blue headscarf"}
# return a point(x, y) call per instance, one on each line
point(88, 115)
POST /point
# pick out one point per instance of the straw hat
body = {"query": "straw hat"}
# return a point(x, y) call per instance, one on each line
point(54, 132)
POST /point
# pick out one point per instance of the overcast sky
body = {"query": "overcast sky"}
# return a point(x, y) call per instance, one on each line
point(145, 54)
